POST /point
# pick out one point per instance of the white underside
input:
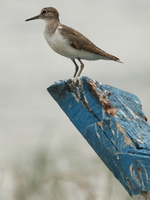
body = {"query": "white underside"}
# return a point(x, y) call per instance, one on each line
point(60, 45)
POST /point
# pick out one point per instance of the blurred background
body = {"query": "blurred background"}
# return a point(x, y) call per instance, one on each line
point(42, 155)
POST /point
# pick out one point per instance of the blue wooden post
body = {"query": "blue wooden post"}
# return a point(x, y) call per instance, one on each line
point(112, 122)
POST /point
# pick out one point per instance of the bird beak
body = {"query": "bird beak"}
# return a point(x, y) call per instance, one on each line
point(36, 17)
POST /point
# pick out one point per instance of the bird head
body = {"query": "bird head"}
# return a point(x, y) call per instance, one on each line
point(49, 13)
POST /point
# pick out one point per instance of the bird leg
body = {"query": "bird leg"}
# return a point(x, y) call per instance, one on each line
point(81, 67)
point(76, 67)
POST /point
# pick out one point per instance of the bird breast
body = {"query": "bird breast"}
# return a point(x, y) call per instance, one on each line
point(62, 46)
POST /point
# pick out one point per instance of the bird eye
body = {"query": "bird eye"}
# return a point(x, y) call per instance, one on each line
point(44, 11)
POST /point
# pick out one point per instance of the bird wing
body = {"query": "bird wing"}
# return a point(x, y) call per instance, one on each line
point(80, 42)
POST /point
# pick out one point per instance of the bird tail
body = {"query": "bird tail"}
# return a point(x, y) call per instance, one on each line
point(119, 61)
point(111, 57)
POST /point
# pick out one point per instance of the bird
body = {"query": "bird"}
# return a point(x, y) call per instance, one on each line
point(68, 42)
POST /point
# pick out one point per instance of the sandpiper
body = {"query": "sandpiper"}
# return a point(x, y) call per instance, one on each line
point(69, 42)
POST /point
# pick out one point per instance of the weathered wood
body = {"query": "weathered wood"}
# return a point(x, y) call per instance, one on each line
point(112, 122)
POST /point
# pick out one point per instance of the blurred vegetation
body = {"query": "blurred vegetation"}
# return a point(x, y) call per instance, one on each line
point(43, 176)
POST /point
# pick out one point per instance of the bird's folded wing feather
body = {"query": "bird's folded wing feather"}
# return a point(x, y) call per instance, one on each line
point(80, 42)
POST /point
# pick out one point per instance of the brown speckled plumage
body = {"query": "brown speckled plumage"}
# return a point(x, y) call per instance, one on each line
point(80, 42)
point(69, 42)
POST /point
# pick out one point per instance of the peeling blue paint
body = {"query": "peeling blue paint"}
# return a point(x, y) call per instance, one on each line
point(112, 122)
